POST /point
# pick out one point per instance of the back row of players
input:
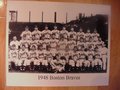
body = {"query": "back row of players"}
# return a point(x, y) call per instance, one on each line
point(56, 48)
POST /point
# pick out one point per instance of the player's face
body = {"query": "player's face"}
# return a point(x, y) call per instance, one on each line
point(26, 29)
point(55, 27)
point(97, 56)
point(88, 31)
point(23, 47)
point(72, 29)
point(83, 56)
point(64, 28)
point(90, 56)
point(46, 28)
point(81, 40)
point(95, 31)
point(75, 57)
point(81, 30)
point(14, 38)
point(33, 48)
point(57, 57)
point(36, 28)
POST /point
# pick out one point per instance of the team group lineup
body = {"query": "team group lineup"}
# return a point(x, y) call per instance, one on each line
point(58, 51)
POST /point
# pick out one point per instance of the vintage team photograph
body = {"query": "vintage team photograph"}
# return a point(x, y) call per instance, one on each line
point(66, 39)
point(78, 45)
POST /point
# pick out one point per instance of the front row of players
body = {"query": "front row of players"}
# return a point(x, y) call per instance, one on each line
point(33, 60)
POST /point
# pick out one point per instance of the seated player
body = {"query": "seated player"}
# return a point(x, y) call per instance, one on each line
point(97, 63)
point(53, 46)
point(90, 57)
point(71, 63)
point(26, 34)
point(70, 45)
point(44, 64)
point(40, 56)
point(13, 58)
point(82, 59)
point(54, 63)
point(87, 65)
point(23, 57)
point(33, 62)
point(81, 44)
point(49, 57)
point(25, 42)
point(61, 64)
point(62, 46)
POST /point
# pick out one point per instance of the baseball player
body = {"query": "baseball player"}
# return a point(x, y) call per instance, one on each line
point(36, 34)
point(15, 42)
point(23, 57)
point(63, 34)
point(72, 35)
point(80, 34)
point(26, 34)
point(55, 33)
point(46, 34)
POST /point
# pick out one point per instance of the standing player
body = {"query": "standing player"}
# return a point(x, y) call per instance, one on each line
point(103, 51)
point(36, 34)
point(14, 42)
point(72, 35)
point(26, 34)
point(63, 34)
point(88, 35)
point(55, 33)
point(80, 34)
point(95, 35)
point(46, 34)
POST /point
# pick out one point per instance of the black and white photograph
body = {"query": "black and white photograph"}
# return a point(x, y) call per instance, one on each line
point(57, 43)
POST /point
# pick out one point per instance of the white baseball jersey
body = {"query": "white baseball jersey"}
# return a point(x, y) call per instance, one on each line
point(80, 35)
point(26, 34)
point(56, 33)
point(26, 43)
point(71, 45)
point(46, 34)
point(95, 36)
point(64, 34)
point(72, 35)
point(88, 36)
point(13, 55)
point(71, 62)
point(36, 34)
point(15, 43)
